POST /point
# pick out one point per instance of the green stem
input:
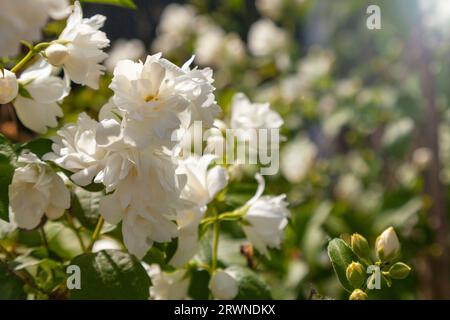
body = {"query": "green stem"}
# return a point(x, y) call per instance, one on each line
point(23, 274)
point(215, 245)
point(44, 238)
point(230, 215)
point(77, 233)
point(33, 51)
point(98, 228)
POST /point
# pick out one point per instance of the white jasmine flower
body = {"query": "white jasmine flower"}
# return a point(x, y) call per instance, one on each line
point(195, 85)
point(215, 140)
point(267, 216)
point(436, 14)
point(234, 48)
point(76, 149)
point(297, 158)
point(387, 245)
point(223, 286)
point(25, 20)
point(349, 188)
point(422, 157)
point(317, 64)
point(128, 152)
point(9, 87)
point(79, 48)
point(265, 38)
point(248, 115)
point(177, 19)
point(269, 8)
point(347, 88)
point(148, 98)
point(201, 187)
point(396, 131)
point(168, 285)
point(209, 44)
point(41, 109)
point(157, 97)
point(176, 26)
point(202, 183)
point(57, 9)
point(122, 49)
point(36, 190)
point(188, 221)
point(290, 87)
point(214, 47)
point(146, 199)
point(247, 119)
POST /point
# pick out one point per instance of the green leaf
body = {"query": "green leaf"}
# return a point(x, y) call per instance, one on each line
point(39, 147)
point(24, 92)
point(7, 166)
point(85, 207)
point(121, 3)
point(93, 187)
point(155, 255)
point(251, 287)
point(62, 240)
point(204, 251)
point(11, 287)
point(198, 287)
point(341, 256)
point(112, 275)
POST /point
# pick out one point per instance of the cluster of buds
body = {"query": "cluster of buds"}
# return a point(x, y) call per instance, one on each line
point(362, 273)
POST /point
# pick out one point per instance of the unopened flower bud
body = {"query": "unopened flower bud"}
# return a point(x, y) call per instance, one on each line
point(360, 246)
point(387, 245)
point(56, 54)
point(399, 270)
point(358, 294)
point(355, 274)
point(223, 286)
point(9, 87)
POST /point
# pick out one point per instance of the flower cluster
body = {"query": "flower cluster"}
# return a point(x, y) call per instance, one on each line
point(78, 51)
point(156, 191)
point(363, 274)
point(124, 186)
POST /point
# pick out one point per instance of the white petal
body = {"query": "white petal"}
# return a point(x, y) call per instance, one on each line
point(217, 179)
point(111, 209)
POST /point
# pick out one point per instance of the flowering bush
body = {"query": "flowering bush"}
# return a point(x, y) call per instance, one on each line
point(108, 191)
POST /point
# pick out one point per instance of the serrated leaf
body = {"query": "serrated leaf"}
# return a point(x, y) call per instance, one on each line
point(112, 275)
point(251, 287)
point(121, 3)
point(341, 256)
point(85, 207)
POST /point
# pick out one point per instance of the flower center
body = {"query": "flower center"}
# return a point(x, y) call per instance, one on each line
point(151, 97)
